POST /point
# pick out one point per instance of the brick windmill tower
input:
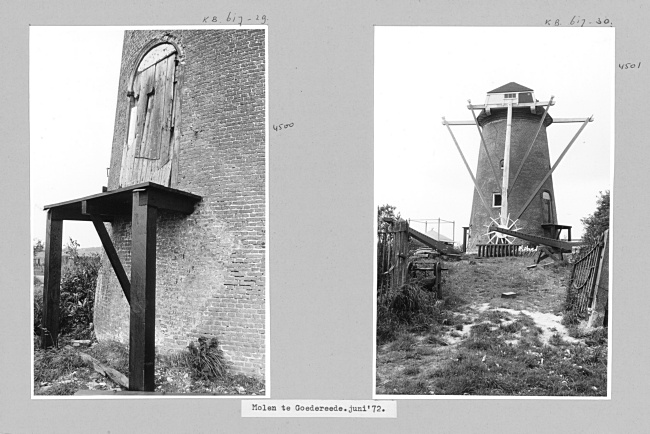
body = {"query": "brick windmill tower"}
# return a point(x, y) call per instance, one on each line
point(513, 183)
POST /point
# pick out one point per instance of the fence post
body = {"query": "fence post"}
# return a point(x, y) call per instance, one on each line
point(400, 253)
point(601, 289)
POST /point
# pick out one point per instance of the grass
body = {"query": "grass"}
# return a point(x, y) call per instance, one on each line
point(488, 347)
point(62, 371)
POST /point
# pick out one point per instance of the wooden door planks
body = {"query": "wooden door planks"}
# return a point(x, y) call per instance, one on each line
point(167, 110)
point(150, 138)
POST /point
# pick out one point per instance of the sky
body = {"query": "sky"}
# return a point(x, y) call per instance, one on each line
point(73, 80)
point(424, 73)
point(421, 74)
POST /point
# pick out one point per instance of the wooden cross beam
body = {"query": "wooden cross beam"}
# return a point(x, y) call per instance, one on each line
point(555, 121)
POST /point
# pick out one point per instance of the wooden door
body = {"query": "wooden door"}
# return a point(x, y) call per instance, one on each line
point(148, 151)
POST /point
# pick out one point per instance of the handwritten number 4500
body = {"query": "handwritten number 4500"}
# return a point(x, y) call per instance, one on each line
point(281, 127)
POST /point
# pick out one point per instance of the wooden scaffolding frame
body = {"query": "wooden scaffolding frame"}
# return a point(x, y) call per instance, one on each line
point(141, 203)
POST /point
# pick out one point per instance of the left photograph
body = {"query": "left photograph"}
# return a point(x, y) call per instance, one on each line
point(149, 211)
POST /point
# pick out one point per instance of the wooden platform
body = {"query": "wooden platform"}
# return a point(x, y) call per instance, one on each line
point(114, 203)
point(140, 203)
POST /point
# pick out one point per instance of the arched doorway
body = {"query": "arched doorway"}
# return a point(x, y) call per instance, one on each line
point(148, 150)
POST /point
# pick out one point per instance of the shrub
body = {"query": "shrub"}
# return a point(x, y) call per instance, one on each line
point(78, 281)
point(206, 360)
point(77, 296)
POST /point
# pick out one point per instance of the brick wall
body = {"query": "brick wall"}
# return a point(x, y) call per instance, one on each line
point(210, 264)
point(524, 127)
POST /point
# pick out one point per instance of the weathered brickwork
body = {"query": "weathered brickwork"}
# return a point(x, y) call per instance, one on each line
point(537, 165)
point(211, 264)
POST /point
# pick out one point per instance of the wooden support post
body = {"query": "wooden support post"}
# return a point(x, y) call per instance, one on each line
point(506, 170)
point(465, 232)
point(52, 281)
point(143, 294)
point(599, 303)
point(438, 280)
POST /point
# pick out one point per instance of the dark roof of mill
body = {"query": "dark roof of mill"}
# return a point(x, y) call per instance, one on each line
point(511, 87)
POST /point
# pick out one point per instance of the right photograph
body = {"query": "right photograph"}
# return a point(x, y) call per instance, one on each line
point(493, 168)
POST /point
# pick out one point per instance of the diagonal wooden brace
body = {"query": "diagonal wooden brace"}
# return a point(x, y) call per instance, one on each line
point(109, 248)
point(541, 184)
point(530, 148)
point(487, 153)
point(478, 190)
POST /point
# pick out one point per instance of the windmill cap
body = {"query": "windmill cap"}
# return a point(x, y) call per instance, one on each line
point(511, 87)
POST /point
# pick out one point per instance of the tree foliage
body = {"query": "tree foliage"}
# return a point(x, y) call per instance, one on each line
point(38, 246)
point(386, 211)
point(598, 222)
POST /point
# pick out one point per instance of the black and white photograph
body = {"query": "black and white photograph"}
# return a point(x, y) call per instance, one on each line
point(493, 171)
point(148, 170)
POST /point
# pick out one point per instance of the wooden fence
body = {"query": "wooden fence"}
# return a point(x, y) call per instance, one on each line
point(588, 285)
point(392, 255)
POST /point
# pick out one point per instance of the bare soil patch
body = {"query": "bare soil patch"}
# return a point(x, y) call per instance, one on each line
point(488, 345)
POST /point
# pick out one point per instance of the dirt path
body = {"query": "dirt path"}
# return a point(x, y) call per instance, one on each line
point(530, 323)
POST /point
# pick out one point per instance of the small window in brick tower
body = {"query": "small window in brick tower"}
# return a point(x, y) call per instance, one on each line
point(148, 150)
point(547, 207)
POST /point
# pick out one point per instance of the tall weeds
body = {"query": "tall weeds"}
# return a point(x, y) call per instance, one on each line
point(408, 305)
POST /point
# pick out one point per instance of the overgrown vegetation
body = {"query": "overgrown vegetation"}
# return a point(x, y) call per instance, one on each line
point(77, 296)
point(200, 368)
point(409, 307)
point(478, 343)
